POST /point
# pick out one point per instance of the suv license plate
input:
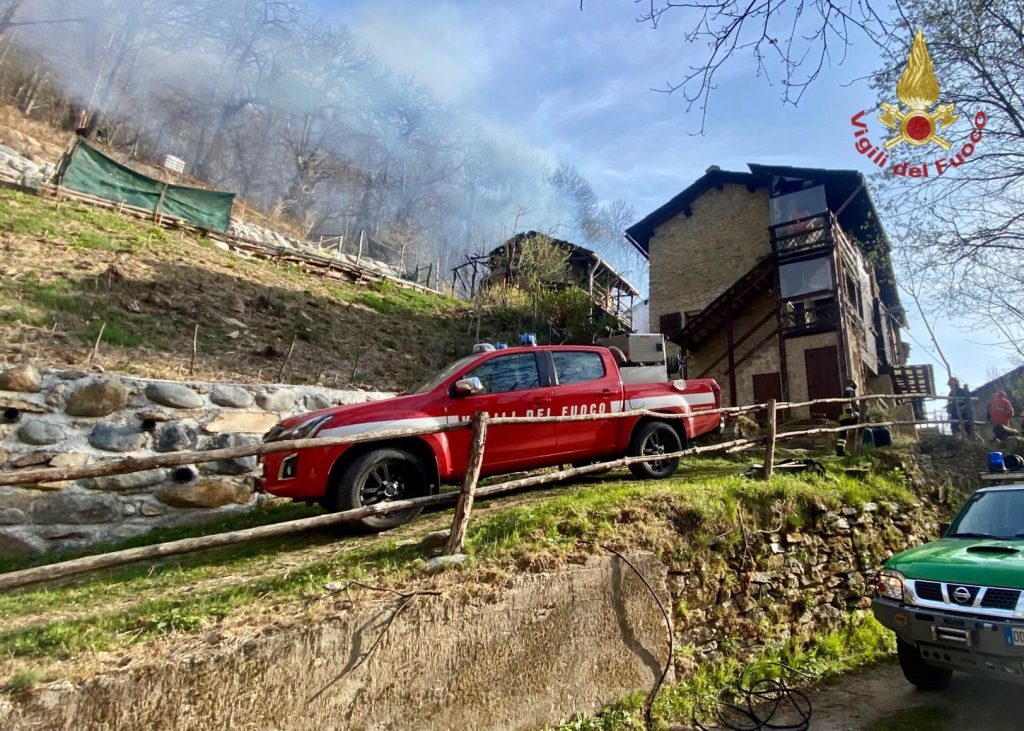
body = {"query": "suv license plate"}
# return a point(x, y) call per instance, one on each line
point(1015, 636)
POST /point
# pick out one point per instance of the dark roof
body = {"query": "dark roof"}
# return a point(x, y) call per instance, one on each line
point(578, 256)
point(846, 194)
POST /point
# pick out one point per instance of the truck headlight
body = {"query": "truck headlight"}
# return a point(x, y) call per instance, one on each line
point(890, 584)
point(304, 430)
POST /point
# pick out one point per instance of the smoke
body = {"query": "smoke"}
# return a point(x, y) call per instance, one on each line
point(298, 116)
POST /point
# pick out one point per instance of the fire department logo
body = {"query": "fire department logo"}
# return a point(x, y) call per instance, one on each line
point(918, 91)
point(918, 120)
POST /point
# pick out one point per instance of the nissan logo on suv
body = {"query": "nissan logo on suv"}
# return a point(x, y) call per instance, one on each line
point(961, 595)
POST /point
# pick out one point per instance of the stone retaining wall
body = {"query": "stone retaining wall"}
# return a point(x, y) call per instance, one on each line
point(64, 417)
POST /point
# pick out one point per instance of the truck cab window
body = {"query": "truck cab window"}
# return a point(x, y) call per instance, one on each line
point(577, 367)
point(507, 373)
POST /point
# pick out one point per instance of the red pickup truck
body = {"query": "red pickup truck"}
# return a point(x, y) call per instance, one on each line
point(523, 381)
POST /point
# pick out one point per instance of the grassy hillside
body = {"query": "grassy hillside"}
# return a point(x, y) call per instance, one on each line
point(54, 630)
point(67, 268)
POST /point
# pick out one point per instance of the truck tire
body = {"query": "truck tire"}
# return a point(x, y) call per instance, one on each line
point(917, 671)
point(380, 475)
point(653, 438)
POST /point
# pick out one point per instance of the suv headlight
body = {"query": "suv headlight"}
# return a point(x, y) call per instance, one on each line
point(890, 584)
point(304, 430)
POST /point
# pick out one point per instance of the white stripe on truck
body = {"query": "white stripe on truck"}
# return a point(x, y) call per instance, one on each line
point(661, 402)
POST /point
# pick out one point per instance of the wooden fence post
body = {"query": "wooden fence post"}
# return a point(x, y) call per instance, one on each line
point(457, 537)
point(769, 448)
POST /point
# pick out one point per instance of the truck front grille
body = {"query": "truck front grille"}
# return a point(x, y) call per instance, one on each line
point(1000, 599)
point(966, 597)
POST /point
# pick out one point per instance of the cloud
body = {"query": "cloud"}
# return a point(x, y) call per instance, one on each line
point(438, 45)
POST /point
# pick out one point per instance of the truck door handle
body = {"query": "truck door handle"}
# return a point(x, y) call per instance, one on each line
point(540, 400)
point(606, 391)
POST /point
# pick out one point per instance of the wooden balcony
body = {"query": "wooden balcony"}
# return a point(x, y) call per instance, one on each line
point(810, 232)
point(803, 317)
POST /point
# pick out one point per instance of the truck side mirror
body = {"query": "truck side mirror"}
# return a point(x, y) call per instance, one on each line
point(468, 386)
point(943, 527)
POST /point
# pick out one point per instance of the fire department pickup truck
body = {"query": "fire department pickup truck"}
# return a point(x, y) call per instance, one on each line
point(958, 603)
point(522, 381)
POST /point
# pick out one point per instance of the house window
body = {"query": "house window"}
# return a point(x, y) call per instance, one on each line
point(797, 205)
point(804, 277)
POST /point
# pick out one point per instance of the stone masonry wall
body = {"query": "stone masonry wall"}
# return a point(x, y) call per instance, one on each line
point(65, 418)
point(694, 259)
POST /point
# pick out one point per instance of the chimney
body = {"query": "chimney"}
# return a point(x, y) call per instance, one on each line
point(712, 169)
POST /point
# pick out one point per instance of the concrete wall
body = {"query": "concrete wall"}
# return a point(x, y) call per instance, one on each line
point(533, 653)
point(694, 259)
point(66, 418)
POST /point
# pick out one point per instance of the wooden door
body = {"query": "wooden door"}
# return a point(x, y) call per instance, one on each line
point(822, 366)
point(766, 386)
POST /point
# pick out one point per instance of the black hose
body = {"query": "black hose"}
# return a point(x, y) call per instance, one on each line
point(760, 706)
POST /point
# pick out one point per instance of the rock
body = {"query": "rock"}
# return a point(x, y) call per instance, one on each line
point(315, 402)
point(176, 437)
point(3, 456)
point(174, 395)
point(17, 497)
point(37, 431)
point(24, 378)
point(69, 459)
point(233, 397)
point(242, 422)
point(12, 516)
point(116, 438)
point(98, 398)
point(56, 395)
point(76, 508)
point(276, 401)
point(16, 543)
point(150, 511)
point(128, 509)
point(32, 459)
point(439, 563)
point(205, 494)
point(8, 402)
point(71, 375)
point(129, 481)
point(435, 539)
point(239, 466)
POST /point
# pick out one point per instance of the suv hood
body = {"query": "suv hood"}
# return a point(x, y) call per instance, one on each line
point(988, 562)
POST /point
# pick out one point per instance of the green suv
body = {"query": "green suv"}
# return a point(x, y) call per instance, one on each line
point(958, 603)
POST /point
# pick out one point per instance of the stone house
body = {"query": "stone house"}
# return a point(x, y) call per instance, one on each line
point(577, 266)
point(777, 282)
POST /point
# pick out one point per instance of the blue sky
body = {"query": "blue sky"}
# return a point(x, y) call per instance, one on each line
point(577, 86)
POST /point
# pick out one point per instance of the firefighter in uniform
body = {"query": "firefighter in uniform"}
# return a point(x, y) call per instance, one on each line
point(849, 416)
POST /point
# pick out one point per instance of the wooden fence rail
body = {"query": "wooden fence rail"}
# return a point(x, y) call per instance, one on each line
point(464, 498)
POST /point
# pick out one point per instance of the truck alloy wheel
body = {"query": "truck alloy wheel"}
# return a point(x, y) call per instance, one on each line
point(653, 439)
point(379, 476)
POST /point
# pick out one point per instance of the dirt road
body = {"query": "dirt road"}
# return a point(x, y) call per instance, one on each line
point(879, 699)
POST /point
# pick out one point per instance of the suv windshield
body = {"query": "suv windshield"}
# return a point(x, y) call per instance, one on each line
point(995, 514)
point(436, 380)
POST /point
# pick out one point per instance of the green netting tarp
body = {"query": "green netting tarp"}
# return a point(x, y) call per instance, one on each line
point(90, 171)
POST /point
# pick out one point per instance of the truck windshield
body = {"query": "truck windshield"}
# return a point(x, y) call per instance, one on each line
point(436, 380)
point(997, 514)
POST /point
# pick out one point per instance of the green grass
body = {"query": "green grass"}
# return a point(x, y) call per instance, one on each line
point(676, 517)
point(860, 642)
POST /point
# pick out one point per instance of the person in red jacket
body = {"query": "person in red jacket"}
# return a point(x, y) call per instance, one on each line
point(1000, 411)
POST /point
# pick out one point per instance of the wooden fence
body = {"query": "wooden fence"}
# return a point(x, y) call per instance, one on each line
point(480, 424)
